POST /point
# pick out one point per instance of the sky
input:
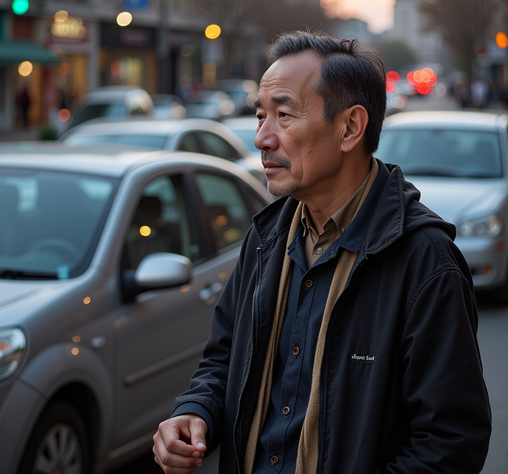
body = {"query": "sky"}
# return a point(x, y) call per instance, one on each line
point(377, 13)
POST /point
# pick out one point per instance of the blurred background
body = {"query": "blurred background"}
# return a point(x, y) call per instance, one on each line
point(204, 58)
point(53, 53)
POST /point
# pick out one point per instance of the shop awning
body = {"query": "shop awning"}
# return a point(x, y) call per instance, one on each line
point(13, 52)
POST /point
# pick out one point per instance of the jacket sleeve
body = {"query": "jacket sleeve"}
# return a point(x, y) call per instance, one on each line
point(442, 386)
point(208, 383)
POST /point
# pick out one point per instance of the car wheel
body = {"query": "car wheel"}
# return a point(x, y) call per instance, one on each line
point(58, 444)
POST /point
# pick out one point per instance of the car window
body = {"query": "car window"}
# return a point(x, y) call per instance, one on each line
point(50, 221)
point(160, 224)
point(226, 210)
point(190, 142)
point(157, 142)
point(94, 111)
point(216, 145)
point(438, 152)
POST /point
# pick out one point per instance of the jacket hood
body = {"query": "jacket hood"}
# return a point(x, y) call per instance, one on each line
point(392, 207)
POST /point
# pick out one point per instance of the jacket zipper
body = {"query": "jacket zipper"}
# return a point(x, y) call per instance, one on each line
point(254, 312)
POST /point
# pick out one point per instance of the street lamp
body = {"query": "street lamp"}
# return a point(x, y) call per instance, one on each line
point(212, 31)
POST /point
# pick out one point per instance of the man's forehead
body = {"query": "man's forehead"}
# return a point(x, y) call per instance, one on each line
point(287, 77)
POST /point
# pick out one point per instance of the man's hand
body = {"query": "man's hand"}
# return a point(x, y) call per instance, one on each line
point(180, 443)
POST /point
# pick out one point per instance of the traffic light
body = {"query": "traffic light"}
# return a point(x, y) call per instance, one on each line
point(20, 7)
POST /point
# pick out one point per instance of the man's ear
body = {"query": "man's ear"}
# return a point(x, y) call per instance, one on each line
point(356, 120)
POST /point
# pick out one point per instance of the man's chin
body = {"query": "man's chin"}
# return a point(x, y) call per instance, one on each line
point(280, 191)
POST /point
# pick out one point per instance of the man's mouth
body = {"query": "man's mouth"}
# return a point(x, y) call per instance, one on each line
point(274, 162)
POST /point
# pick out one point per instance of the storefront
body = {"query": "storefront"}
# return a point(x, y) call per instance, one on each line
point(24, 67)
point(128, 57)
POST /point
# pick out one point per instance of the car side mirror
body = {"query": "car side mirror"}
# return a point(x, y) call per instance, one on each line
point(156, 271)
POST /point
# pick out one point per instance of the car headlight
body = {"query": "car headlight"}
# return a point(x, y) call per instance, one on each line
point(487, 226)
point(12, 348)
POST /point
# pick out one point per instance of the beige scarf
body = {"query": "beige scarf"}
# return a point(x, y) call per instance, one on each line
point(307, 459)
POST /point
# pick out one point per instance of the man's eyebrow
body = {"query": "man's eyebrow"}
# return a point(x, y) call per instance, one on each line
point(278, 99)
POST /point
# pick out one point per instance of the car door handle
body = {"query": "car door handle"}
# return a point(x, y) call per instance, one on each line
point(209, 295)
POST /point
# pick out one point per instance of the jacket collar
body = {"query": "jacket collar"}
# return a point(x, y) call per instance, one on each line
point(385, 212)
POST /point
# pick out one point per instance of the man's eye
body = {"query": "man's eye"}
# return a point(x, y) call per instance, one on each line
point(282, 114)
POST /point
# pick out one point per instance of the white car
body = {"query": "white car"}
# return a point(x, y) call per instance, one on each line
point(111, 262)
point(188, 134)
point(111, 102)
point(459, 162)
point(246, 129)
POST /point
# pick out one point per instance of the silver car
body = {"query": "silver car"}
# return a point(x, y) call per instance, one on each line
point(110, 264)
point(459, 162)
point(190, 134)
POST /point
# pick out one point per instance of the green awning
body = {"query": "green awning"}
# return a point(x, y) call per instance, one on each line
point(14, 52)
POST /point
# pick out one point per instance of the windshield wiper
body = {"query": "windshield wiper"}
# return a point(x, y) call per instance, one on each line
point(12, 274)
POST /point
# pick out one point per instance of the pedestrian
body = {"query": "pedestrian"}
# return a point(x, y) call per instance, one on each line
point(23, 101)
point(345, 340)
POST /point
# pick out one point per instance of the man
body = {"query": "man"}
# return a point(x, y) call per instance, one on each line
point(345, 340)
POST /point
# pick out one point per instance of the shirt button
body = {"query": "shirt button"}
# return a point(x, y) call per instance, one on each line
point(296, 350)
point(319, 250)
point(308, 283)
point(274, 459)
point(286, 410)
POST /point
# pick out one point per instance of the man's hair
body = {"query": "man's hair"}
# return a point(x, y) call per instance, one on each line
point(352, 73)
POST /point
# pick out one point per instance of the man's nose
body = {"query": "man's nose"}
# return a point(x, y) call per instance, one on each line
point(266, 138)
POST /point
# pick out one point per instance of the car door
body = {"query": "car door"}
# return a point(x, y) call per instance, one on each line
point(161, 335)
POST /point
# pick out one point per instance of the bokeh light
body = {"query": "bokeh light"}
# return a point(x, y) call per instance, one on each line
point(25, 68)
point(124, 19)
point(212, 31)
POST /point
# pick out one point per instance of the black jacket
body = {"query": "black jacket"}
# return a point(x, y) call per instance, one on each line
point(402, 389)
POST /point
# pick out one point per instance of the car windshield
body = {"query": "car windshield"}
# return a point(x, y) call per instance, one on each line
point(94, 111)
point(50, 222)
point(148, 141)
point(438, 152)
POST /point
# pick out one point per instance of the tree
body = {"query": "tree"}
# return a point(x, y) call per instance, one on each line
point(463, 24)
point(398, 55)
point(265, 17)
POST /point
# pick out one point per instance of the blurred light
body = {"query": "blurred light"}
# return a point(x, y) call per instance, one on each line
point(25, 68)
point(502, 40)
point(423, 88)
point(76, 339)
point(399, 102)
point(74, 351)
point(393, 76)
point(124, 18)
point(185, 289)
point(60, 16)
point(212, 31)
point(219, 222)
point(390, 85)
point(87, 299)
point(64, 69)
point(187, 50)
point(145, 231)
point(64, 115)
point(417, 77)
point(410, 78)
point(20, 7)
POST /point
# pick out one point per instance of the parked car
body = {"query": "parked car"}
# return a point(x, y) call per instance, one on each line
point(214, 105)
point(110, 264)
point(196, 135)
point(246, 129)
point(112, 101)
point(459, 162)
point(167, 106)
point(242, 92)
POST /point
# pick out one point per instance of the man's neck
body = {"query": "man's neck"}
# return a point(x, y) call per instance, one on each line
point(324, 205)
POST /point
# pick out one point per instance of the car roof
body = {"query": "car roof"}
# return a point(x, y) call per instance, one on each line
point(112, 92)
point(113, 162)
point(147, 126)
point(449, 119)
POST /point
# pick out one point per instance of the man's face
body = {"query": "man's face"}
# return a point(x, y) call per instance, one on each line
point(299, 149)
